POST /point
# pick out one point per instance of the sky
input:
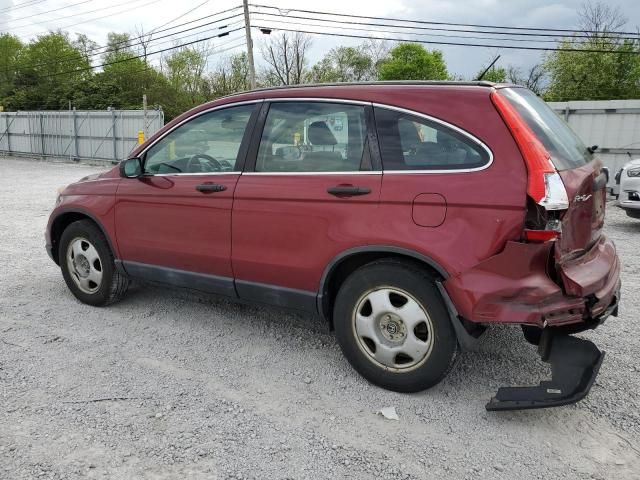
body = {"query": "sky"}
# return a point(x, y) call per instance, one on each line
point(95, 18)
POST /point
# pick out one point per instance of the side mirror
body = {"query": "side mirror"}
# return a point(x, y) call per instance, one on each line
point(131, 168)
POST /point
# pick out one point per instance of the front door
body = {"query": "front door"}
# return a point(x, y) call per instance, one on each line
point(313, 193)
point(173, 224)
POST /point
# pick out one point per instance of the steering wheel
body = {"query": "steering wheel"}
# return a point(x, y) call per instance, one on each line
point(208, 161)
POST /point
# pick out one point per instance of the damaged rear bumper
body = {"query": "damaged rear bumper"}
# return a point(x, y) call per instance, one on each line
point(516, 287)
point(575, 363)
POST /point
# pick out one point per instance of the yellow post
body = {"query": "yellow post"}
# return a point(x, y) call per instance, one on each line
point(140, 137)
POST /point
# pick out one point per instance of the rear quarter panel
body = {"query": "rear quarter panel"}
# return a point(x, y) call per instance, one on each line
point(484, 209)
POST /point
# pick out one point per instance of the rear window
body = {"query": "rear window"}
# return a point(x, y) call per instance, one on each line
point(566, 149)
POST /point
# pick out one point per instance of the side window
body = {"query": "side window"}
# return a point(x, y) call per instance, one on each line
point(208, 143)
point(410, 142)
point(313, 137)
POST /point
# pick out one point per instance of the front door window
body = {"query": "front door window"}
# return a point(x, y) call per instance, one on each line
point(209, 143)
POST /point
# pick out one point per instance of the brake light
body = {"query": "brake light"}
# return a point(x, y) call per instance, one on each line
point(544, 184)
point(540, 236)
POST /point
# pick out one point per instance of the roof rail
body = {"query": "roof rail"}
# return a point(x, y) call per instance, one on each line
point(475, 83)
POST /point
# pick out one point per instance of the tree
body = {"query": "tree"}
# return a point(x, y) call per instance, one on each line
point(342, 64)
point(49, 69)
point(377, 51)
point(184, 72)
point(611, 73)
point(118, 44)
point(10, 50)
point(410, 61)
point(286, 56)
point(533, 78)
point(85, 45)
point(231, 76)
point(494, 74)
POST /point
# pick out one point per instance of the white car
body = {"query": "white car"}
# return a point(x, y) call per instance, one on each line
point(629, 199)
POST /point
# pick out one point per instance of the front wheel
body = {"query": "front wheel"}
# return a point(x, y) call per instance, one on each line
point(88, 266)
point(393, 326)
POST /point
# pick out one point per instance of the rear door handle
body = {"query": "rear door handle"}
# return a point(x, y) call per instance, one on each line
point(348, 190)
point(211, 187)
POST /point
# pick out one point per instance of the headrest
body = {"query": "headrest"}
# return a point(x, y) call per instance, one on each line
point(320, 134)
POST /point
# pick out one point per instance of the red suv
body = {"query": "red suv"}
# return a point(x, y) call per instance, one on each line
point(410, 216)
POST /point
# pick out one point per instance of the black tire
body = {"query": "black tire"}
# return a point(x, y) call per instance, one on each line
point(633, 213)
point(113, 284)
point(532, 334)
point(418, 284)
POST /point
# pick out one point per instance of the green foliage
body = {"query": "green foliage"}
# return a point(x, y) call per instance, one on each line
point(494, 74)
point(48, 69)
point(342, 64)
point(584, 75)
point(231, 76)
point(410, 61)
point(10, 50)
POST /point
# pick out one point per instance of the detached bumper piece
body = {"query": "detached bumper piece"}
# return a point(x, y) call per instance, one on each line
point(574, 366)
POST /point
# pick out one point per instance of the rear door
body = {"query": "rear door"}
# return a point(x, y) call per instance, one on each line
point(311, 193)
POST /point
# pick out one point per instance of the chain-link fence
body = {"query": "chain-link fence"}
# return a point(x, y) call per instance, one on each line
point(108, 135)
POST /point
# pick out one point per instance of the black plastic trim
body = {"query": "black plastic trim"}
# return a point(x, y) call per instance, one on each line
point(274, 295)
point(324, 285)
point(575, 364)
point(181, 278)
point(466, 341)
point(243, 153)
point(372, 135)
point(256, 135)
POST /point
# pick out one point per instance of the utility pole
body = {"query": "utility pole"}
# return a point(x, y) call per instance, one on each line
point(247, 31)
point(144, 115)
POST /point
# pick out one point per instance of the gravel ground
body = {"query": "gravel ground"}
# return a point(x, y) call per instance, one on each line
point(213, 389)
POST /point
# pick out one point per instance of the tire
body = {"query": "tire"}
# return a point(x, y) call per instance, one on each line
point(393, 326)
point(87, 265)
point(532, 334)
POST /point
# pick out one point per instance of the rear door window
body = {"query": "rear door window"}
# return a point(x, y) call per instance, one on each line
point(313, 137)
point(410, 142)
point(566, 149)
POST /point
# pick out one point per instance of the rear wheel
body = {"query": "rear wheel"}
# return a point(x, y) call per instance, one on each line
point(393, 327)
point(88, 266)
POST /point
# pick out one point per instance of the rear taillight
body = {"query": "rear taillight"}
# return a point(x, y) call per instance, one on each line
point(540, 236)
point(544, 184)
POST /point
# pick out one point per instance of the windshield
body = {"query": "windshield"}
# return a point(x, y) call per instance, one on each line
point(566, 149)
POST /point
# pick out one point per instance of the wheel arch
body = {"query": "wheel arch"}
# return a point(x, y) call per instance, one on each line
point(66, 218)
point(348, 261)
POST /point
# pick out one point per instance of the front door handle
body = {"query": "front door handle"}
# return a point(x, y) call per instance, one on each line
point(211, 187)
point(348, 190)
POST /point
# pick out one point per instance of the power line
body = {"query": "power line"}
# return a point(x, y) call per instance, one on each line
point(90, 11)
point(29, 3)
point(470, 37)
point(129, 44)
point(79, 70)
point(430, 42)
point(425, 22)
point(45, 12)
point(415, 27)
point(180, 16)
